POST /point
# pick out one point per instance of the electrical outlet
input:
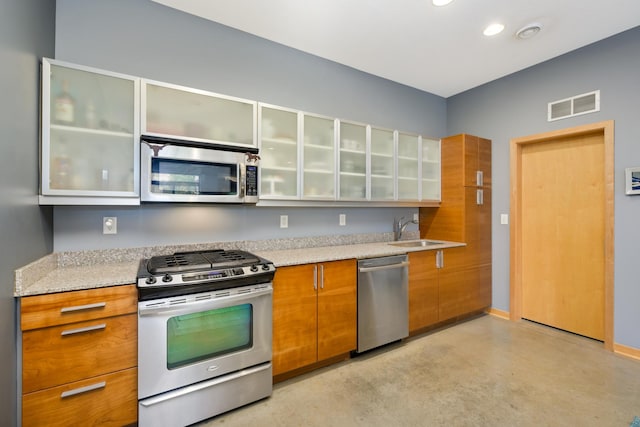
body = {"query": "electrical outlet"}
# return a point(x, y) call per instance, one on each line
point(504, 219)
point(110, 225)
point(284, 221)
point(416, 218)
point(343, 219)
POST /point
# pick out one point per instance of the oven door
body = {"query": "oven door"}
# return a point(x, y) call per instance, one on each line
point(186, 339)
point(192, 174)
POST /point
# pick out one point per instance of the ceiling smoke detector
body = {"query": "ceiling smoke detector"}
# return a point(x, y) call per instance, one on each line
point(528, 31)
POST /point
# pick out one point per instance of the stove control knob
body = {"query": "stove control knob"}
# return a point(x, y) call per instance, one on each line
point(167, 278)
point(254, 268)
point(265, 267)
point(150, 280)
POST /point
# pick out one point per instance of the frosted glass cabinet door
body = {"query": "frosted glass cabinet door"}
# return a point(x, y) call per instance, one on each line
point(430, 169)
point(408, 166)
point(319, 158)
point(278, 153)
point(353, 161)
point(180, 112)
point(382, 164)
point(90, 133)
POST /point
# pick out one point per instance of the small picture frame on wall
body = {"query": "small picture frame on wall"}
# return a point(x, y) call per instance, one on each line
point(632, 180)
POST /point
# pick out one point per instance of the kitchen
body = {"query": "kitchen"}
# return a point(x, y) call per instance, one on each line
point(30, 231)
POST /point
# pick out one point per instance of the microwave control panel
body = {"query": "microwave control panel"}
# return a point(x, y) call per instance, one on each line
point(252, 180)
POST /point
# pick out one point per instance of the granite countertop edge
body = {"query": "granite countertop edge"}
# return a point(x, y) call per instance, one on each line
point(69, 271)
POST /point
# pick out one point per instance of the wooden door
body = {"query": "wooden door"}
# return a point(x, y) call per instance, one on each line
point(423, 290)
point(562, 232)
point(294, 318)
point(337, 308)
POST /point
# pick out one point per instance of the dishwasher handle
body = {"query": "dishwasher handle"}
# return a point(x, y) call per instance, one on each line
point(383, 267)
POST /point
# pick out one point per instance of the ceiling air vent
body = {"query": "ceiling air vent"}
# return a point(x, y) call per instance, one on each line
point(574, 106)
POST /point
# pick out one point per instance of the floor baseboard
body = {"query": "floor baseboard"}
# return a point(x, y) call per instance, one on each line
point(498, 313)
point(627, 351)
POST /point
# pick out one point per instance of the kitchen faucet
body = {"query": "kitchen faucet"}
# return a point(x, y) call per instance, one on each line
point(399, 226)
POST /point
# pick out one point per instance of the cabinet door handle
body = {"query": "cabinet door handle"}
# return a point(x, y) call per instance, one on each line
point(315, 277)
point(81, 330)
point(322, 277)
point(480, 197)
point(479, 178)
point(84, 389)
point(83, 307)
point(441, 259)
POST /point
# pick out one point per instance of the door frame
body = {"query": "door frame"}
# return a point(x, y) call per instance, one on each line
point(605, 128)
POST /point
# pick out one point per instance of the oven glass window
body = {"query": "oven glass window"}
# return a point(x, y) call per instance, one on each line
point(172, 176)
point(207, 334)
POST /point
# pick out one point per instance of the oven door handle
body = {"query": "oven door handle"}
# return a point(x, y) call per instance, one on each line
point(179, 307)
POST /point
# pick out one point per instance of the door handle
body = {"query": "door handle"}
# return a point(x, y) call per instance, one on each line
point(315, 277)
point(480, 197)
point(321, 276)
point(479, 178)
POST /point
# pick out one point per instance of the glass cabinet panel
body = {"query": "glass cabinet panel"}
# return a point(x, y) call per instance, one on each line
point(278, 153)
point(353, 161)
point(430, 169)
point(90, 133)
point(382, 164)
point(408, 166)
point(319, 158)
point(176, 111)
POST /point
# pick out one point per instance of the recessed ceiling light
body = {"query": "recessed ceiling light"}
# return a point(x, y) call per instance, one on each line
point(493, 29)
point(441, 2)
point(528, 31)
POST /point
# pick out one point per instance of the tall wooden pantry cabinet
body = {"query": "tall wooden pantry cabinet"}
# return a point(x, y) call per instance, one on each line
point(464, 215)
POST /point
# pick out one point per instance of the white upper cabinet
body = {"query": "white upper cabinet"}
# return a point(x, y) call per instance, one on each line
point(90, 135)
point(408, 158)
point(183, 113)
point(352, 176)
point(383, 165)
point(431, 169)
point(278, 129)
point(319, 158)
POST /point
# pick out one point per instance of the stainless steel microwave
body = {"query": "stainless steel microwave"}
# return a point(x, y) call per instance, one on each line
point(175, 172)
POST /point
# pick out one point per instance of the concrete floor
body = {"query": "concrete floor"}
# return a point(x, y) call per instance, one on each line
point(484, 372)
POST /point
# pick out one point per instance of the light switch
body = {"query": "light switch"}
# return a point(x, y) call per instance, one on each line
point(504, 219)
point(343, 219)
point(416, 218)
point(284, 221)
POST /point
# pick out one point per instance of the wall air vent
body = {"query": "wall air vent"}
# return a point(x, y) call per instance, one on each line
point(574, 106)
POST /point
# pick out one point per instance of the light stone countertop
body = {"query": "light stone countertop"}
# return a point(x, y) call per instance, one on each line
point(69, 271)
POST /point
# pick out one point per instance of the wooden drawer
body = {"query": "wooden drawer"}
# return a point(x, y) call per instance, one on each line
point(66, 353)
point(108, 400)
point(68, 307)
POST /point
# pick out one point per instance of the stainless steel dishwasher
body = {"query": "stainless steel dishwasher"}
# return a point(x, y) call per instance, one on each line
point(383, 301)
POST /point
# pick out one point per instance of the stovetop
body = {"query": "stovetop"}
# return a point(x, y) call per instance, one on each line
point(185, 273)
point(200, 260)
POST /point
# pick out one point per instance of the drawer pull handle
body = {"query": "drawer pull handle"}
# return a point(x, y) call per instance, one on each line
point(81, 330)
point(84, 389)
point(83, 307)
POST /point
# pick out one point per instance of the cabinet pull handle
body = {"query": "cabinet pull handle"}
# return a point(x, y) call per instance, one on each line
point(441, 259)
point(84, 389)
point(479, 178)
point(83, 307)
point(480, 197)
point(315, 277)
point(81, 330)
point(322, 277)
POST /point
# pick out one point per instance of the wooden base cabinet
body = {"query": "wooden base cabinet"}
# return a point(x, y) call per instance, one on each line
point(437, 287)
point(314, 313)
point(79, 358)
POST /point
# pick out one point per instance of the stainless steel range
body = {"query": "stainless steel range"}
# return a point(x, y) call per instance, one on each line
point(204, 335)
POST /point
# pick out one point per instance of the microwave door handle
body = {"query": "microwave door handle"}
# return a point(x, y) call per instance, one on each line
point(243, 180)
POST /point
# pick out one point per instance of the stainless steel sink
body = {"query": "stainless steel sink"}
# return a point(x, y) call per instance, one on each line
point(415, 243)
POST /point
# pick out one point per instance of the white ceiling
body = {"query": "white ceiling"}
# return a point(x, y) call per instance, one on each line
point(440, 50)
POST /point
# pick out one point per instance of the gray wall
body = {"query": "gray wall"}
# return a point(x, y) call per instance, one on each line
point(516, 106)
point(26, 34)
point(160, 43)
